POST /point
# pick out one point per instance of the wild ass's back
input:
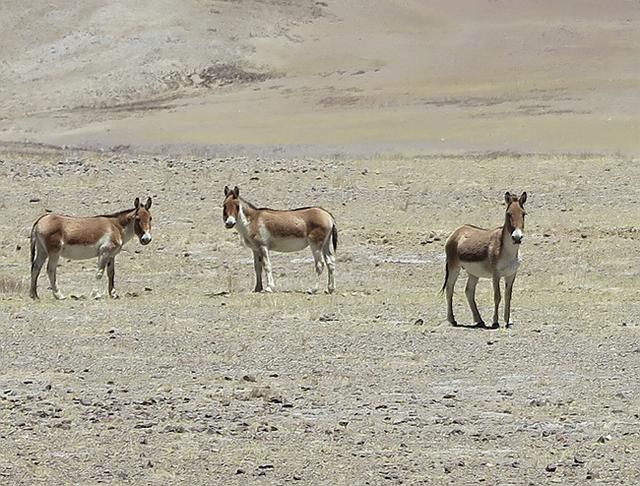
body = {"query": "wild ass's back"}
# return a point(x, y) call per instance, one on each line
point(264, 230)
point(79, 238)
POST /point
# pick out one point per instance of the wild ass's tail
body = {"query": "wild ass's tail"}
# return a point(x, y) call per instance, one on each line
point(446, 277)
point(33, 242)
point(334, 235)
point(33, 239)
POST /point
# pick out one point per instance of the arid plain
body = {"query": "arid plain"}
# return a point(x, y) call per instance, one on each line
point(405, 119)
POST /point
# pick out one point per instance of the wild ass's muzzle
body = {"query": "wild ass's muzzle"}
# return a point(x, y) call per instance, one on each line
point(517, 236)
point(230, 222)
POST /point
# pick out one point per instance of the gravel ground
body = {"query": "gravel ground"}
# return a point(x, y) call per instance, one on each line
point(189, 378)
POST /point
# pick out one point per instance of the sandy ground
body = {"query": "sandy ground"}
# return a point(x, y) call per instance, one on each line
point(389, 76)
point(191, 378)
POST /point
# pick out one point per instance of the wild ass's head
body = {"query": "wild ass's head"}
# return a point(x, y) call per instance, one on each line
point(514, 218)
point(142, 221)
point(231, 206)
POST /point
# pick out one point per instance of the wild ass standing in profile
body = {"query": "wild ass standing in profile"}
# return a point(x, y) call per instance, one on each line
point(56, 236)
point(264, 229)
point(486, 253)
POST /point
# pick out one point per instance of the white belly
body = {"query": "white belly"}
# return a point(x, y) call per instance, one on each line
point(478, 269)
point(80, 252)
point(83, 252)
point(288, 244)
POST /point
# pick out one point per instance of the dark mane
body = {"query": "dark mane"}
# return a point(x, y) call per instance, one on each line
point(114, 215)
point(253, 206)
point(293, 209)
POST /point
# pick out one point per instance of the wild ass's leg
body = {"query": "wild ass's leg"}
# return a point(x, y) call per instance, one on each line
point(111, 273)
point(452, 276)
point(330, 259)
point(496, 300)
point(257, 265)
point(508, 289)
point(266, 262)
point(318, 260)
point(52, 266)
point(470, 292)
point(103, 260)
point(36, 266)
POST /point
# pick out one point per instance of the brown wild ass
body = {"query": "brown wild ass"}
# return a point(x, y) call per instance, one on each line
point(56, 236)
point(264, 229)
point(486, 253)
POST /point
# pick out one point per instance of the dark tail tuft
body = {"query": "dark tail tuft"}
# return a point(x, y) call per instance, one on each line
point(334, 236)
point(446, 277)
point(33, 243)
point(32, 238)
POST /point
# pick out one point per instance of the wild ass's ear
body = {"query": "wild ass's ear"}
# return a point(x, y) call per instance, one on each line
point(136, 203)
point(507, 197)
point(523, 198)
point(226, 190)
point(236, 191)
point(147, 205)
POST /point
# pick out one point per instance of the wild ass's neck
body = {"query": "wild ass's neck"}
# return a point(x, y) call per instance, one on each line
point(508, 248)
point(126, 223)
point(246, 214)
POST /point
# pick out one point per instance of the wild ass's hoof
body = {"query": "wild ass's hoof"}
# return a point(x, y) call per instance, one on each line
point(59, 296)
point(479, 324)
point(113, 294)
point(495, 325)
point(268, 290)
point(453, 322)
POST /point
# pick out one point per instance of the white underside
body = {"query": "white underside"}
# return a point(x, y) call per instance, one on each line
point(83, 252)
point(477, 269)
point(287, 244)
point(80, 252)
point(483, 269)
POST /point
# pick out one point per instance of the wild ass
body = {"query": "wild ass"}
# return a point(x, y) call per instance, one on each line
point(264, 229)
point(486, 253)
point(55, 235)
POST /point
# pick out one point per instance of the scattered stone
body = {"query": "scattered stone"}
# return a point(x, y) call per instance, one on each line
point(145, 425)
point(418, 322)
point(551, 468)
point(249, 378)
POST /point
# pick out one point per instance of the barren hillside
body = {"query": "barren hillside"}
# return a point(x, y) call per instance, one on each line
point(427, 75)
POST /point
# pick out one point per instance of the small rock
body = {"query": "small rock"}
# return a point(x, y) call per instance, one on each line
point(551, 468)
point(249, 378)
point(418, 322)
